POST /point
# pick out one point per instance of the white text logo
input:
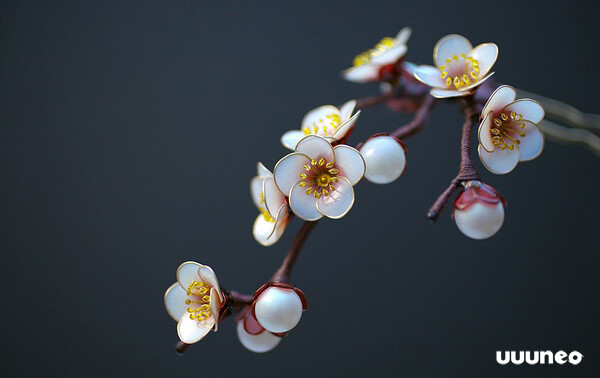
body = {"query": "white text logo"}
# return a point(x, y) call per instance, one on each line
point(538, 357)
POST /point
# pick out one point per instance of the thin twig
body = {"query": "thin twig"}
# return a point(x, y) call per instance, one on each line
point(467, 170)
point(283, 273)
point(419, 120)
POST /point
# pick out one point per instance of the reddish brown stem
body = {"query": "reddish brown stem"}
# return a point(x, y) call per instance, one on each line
point(373, 100)
point(419, 120)
point(466, 169)
point(283, 273)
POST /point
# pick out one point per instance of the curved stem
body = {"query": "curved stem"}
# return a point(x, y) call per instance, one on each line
point(283, 273)
point(373, 100)
point(419, 120)
point(466, 171)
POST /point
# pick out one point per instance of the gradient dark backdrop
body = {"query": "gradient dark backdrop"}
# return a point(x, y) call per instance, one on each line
point(130, 131)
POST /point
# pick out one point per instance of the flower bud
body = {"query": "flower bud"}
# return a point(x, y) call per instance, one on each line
point(385, 159)
point(278, 309)
point(260, 343)
point(479, 210)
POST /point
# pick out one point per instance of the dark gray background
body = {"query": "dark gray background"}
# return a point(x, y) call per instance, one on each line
point(130, 132)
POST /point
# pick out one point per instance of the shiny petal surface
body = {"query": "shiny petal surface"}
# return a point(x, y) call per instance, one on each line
point(188, 272)
point(449, 46)
point(345, 127)
point(347, 109)
point(315, 147)
point(485, 134)
point(429, 75)
point(261, 170)
point(350, 163)
point(216, 298)
point(339, 201)
point(175, 298)
point(362, 74)
point(447, 93)
point(256, 185)
point(191, 331)
point(532, 143)
point(304, 205)
point(273, 197)
point(390, 56)
point(499, 161)
point(530, 110)
point(209, 277)
point(486, 54)
point(318, 114)
point(287, 171)
point(502, 96)
point(403, 36)
point(291, 138)
point(262, 230)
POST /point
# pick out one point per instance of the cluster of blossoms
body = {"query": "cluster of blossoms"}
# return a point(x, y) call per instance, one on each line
point(317, 179)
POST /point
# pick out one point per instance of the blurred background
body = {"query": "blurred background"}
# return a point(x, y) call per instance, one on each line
point(130, 131)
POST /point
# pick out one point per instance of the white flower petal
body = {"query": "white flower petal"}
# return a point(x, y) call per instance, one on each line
point(175, 297)
point(339, 201)
point(346, 110)
point(485, 133)
point(530, 110)
point(390, 56)
point(304, 205)
point(317, 115)
point(486, 54)
point(261, 343)
point(191, 330)
point(281, 222)
point(262, 230)
point(362, 74)
point(291, 138)
point(256, 185)
point(403, 36)
point(349, 162)
point(447, 93)
point(429, 75)
point(187, 273)
point(216, 298)
point(409, 67)
point(499, 161)
point(261, 170)
point(449, 46)
point(343, 129)
point(287, 171)
point(315, 147)
point(273, 197)
point(532, 143)
point(502, 96)
point(209, 277)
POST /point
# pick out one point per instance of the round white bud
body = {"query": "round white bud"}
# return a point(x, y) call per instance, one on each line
point(278, 309)
point(260, 343)
point(385, 159)
point(480, 221)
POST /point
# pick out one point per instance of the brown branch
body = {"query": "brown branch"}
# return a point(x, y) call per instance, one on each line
point(283, 273)
point(467, 170)
point(419, 120)
point(373, 100)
